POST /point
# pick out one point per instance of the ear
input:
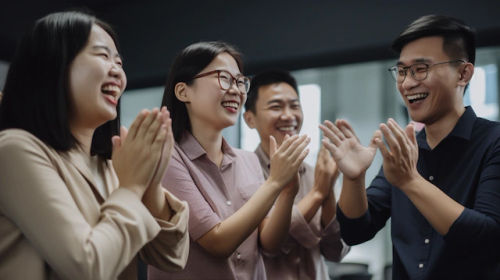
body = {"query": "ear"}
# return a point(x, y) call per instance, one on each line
point(249, 118)
point(180, 90)
point(466, 74)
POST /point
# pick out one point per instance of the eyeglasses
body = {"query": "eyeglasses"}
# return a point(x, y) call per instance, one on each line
point(226, 80)
point(419, 71)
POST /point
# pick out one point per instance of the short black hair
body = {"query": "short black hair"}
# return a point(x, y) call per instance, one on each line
point(187, 64)
point(459, 40)
point(265, 78)
point(36, 93)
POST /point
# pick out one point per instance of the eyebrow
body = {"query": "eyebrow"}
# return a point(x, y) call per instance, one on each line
point(283, 101)
point(418, 60)
point(106, 48)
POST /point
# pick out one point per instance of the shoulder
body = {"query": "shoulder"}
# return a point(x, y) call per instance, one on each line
point(19, 139)
point(486, 130)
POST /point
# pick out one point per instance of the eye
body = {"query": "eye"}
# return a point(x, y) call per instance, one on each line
point(401, 72)
point(295, 106)
point(224, 76)
point(104, 55)
point(275, 107)
point(420, 68)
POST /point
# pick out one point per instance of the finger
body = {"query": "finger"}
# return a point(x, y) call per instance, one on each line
point(116, 141)
point(398, 132)
point(390, 140)
point(386, 154)
point(347, 129)
point(410, 132)
point(287, 142)
point(376, 135)
point(298, 161)
point(137, 122)
point(334, 128)
point(123, 132)
point(154, 128)
point(272, 145)
point(144, 127)
point(329, 146)
point(296, 146)
point(327, 132)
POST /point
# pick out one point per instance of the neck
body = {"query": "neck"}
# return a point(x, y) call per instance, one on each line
point(265, 147)
point(211, 141)
point(438, 130)
point(84, 137)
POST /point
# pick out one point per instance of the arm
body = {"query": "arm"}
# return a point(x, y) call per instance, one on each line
point(353, 160)
point(35, 197)
point(170, 248)
point(225, 237)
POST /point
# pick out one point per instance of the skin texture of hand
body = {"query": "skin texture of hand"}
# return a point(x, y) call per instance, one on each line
point(286, 160)
point(401, 153)
point(325, 172)
point(136, 152)
point(352, 158)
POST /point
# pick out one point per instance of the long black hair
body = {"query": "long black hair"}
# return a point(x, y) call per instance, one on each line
point(36, 93)
point(187, 64)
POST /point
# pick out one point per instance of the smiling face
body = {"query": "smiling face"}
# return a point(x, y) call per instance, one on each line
point(207, 104)
point(438, 96)
point(96, 81)
point(277, 113)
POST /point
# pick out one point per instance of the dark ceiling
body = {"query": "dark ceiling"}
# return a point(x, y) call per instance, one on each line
point(290, 34)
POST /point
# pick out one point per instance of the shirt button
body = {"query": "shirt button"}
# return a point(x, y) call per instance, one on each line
point(229, 203)
point(238, 256)
point(431, 178)
point(420, 265)
point(426, 241)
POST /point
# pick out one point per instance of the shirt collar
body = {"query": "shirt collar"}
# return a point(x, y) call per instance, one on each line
point(463, 128)
point(194, 150)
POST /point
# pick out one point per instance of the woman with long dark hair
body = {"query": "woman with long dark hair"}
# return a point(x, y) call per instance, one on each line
point(229, 199)
point(66, 210)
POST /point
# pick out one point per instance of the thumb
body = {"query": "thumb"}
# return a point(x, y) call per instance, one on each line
point(272, 145)
point(117, 142)
point(123, 132)
point(376, 135)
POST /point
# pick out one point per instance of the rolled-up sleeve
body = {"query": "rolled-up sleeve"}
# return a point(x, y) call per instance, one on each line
point(170, 248)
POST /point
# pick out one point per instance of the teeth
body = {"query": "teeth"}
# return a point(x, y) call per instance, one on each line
point(230, 104)
point(111, 89)
point(286, 128)
point(417, 96)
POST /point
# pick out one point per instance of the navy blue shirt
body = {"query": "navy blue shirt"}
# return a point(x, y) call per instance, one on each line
point(466, 166)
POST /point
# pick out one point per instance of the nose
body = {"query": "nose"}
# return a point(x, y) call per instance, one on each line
point(409, 82)
point(233, 88)
point(287, 114)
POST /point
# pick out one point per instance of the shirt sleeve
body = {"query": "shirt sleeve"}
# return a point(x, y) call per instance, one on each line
point(179, 182)
point(170, 248)
point(35, 198)
point(332, 247)
point(359, 230)
point(477, 229)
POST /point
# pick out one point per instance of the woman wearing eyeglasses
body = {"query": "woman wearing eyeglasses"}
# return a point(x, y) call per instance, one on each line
point(228, 198)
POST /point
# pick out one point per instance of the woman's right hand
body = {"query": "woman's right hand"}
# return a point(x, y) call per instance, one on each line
point(287, 158)
point(137, 152)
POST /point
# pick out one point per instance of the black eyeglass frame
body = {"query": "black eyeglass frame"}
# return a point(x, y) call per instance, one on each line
point(396, 69)
point(246, 80)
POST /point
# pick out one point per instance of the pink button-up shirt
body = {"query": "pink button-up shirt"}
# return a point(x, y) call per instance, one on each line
point(300, 256)
point(214, 194)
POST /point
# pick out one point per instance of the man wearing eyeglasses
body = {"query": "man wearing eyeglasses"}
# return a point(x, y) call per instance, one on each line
point(441, 187)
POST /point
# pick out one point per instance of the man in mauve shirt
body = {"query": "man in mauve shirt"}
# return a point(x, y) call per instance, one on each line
point(441, 187)
point(273, 108)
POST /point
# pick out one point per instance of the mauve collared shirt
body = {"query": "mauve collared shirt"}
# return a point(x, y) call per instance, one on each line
point(214, 194)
